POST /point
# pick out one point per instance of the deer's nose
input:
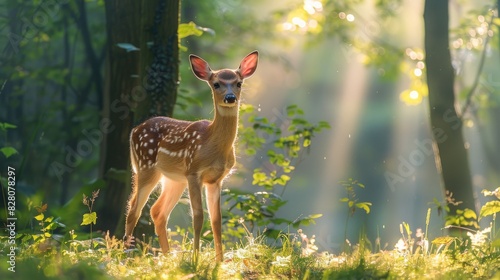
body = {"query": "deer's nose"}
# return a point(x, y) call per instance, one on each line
point(230, 98)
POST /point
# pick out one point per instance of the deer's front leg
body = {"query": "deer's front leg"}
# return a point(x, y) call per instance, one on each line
point(213, 204)
point(195, 185)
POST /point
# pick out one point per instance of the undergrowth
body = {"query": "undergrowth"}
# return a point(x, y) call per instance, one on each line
point(252, 260)
point(291, 255)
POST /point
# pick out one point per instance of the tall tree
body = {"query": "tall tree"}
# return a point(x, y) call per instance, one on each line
point(451, 155)
point(159, 64)
point(123, 18)
point(152, 26)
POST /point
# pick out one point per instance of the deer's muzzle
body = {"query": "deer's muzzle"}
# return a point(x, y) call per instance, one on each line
point(229, 98)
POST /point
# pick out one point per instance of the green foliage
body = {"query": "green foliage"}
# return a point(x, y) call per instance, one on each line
point(46, 255)
point(259, 209)
point(490, 207)
point(461, 218)
point(188, 29)
point(351, 199)
point(352, 203)
point(7, 151)
point(191, 29)
point(466, 217)
point(90, 218)
point(42, 235)
point(255, 260)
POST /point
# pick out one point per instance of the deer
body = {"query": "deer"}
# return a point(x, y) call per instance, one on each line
point(178, 154)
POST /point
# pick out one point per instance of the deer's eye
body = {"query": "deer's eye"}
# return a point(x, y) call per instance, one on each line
point(216, 85)
point(238, 84)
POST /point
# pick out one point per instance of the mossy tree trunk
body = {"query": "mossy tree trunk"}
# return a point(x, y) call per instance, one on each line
point(159, 63)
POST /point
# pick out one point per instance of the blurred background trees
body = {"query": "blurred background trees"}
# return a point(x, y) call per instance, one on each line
point(77, 75)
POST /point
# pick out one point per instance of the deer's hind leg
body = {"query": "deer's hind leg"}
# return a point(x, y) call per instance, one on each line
point(143, 184)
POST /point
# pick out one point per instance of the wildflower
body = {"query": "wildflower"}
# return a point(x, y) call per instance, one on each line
point(401, 246)
point(479, 238)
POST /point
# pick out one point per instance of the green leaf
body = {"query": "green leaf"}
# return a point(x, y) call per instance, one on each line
point(5, 126)
point(490, 208)
point(188, 29)
point(365, 206)
point(315, 216)
point(307, 142)
point(470, 214)
point(344, 199)
point(285, 177)
point(128, 47)
point(323, 124)
point(8, 151)
point(89, 218)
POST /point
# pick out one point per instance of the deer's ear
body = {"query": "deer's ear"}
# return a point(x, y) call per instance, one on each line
point(200, 67)
point(249, 64)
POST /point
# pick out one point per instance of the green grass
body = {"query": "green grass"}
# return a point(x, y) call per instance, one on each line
point(292, 259)
point(42, 254)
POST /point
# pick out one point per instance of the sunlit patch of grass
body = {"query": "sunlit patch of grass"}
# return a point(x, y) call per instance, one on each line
point(254, 259)
point(475, 255)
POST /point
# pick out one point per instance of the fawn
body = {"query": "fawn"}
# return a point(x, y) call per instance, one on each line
point(177, 153)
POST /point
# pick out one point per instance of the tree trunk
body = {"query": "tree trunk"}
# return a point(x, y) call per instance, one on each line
point(152, 27)
point(122, 67)
point(451, 155)
point(159, 65)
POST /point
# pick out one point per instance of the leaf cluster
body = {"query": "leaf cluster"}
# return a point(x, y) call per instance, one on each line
point(285, 146)
point(351, 199)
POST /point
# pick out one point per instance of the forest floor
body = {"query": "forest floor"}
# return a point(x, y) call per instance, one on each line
point(444, 258)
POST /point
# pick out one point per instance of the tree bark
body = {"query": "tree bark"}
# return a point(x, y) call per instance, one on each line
point(152, 27)
point(451, 155)
point(122, 67)
point(159, 65)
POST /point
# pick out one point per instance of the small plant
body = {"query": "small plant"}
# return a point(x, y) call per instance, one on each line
point(461, 218)
point(90, 218)
point(48, 225)
point(491, 208)
point(352, 201)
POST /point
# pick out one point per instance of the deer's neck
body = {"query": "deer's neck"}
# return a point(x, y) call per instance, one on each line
point(224, 128)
